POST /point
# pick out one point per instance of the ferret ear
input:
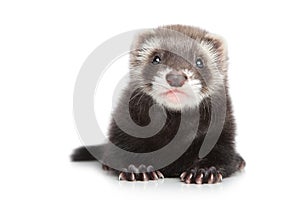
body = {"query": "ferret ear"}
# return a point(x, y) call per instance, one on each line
point(143, 44)
point(136, 50)
point(218, 49)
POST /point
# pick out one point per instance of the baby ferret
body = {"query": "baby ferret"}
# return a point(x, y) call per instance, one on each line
point(178, 76)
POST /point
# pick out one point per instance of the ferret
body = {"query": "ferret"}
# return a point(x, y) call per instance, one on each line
point(178, 76)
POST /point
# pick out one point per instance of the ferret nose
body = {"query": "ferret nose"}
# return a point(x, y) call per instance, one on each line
point(176, 79)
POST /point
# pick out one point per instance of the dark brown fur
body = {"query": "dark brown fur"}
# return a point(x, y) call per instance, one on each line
point(222, 161)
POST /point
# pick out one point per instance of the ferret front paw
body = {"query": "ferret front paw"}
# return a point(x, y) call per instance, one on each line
point(141, 173)
point(201, 175)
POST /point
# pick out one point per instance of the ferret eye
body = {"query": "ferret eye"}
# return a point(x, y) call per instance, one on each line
point(199, 63)
point(156, 60)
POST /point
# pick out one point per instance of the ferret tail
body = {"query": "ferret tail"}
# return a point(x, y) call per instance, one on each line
point(88, 153)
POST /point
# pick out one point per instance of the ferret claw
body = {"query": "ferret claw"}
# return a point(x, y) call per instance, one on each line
point(160, 175)
point(201, 175)
point(145, 177)
point(199, 179)
point(122, 176)
point(182, 176)
point(142, 173)
point(220, 177)
point(154, 175)
point(132, 177)
point(188, 178)
point(211, 179)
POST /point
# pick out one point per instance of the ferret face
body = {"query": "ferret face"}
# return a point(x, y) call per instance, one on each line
point(178, 66)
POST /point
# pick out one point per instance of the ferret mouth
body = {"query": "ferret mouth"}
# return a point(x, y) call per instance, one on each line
point(173, 91)
point(174, 95)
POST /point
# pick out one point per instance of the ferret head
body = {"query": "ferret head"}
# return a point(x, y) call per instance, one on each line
point(178, 66)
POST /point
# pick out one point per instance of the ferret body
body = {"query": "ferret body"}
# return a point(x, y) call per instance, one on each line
point(183, 71)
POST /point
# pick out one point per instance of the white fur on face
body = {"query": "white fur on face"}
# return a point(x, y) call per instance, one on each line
point(190, 94)
point(147, 48)
point(176, 98)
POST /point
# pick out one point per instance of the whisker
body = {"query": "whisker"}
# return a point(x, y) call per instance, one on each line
point(138, 93)
point(143, 93)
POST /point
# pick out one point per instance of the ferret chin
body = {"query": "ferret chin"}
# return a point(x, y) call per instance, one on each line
point(183, 70)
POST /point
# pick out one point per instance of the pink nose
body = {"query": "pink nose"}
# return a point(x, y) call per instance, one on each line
point(176, 79)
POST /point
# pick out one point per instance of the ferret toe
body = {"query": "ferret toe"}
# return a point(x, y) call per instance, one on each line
point(141, 173)
point(201, 176)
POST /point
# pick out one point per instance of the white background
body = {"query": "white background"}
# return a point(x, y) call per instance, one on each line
point(43, 45)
